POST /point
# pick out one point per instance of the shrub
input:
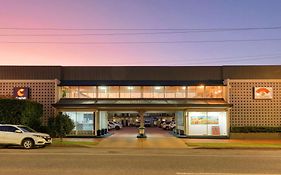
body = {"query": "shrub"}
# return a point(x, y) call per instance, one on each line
point(25, 112)
point(253, 129)
point(60, 126)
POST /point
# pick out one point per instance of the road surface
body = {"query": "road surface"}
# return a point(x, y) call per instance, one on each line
point(108, 161)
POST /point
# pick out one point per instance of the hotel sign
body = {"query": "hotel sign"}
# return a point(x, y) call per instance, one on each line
point(21, 93)
point(263, 93)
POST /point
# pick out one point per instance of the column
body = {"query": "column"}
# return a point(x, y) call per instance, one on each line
point(141, 128)
point(97, 123)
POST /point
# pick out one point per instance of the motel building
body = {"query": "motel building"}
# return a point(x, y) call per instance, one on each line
point(203, 101)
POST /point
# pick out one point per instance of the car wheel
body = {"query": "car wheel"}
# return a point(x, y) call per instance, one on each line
point(117, 127)
point(28, 143)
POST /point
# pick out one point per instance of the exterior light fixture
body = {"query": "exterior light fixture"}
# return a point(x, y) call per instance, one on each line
point(102, 87)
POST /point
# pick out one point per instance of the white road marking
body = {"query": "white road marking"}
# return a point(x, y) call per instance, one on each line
point(183, 173)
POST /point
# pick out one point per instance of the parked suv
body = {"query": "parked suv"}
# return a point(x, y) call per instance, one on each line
point(23, 136)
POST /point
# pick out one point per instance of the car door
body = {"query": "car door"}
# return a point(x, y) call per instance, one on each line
point(9, 135)
point(2, 133)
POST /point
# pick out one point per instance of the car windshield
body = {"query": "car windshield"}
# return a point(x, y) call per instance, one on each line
point(26, 129)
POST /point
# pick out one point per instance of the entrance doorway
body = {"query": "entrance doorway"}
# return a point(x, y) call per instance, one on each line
point(155, 122)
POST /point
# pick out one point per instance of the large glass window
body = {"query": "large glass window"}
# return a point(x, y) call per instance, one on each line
point(130, 91)
point(147, 92)
point(175, 91)
point(83, 122)
point(207, 123)
point(108, 92)
point(153, 92)
point(142, 92)
point(214, 91)
point(69, 91)
point(195, 91)
point(158, 92)
point(87, 92)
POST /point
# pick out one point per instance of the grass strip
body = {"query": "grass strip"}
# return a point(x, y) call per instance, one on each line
point(233, 145)
point(58, 143)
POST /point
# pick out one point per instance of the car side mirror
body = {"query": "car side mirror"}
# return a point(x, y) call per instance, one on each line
point(18, 131)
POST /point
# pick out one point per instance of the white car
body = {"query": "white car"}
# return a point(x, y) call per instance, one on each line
point(22, 136)
point(114, 125)
point(169, 125)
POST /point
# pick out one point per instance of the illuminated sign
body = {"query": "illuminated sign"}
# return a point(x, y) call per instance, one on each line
point(21, 93)
point(263, 93)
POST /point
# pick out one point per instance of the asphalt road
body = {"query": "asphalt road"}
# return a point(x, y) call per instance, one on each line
point(93, 161)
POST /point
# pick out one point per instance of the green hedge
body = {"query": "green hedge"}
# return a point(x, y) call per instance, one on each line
point(13, 111)
point(253, 129)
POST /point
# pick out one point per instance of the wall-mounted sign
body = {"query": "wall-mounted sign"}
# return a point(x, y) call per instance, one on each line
point(21, 93)
point(263, 93)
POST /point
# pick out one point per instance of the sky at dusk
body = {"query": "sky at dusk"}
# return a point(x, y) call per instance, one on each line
point(140, 32)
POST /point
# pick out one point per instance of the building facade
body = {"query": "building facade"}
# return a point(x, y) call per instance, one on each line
point(203, 100)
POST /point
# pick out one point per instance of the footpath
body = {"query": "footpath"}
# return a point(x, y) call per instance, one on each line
point(157, 139)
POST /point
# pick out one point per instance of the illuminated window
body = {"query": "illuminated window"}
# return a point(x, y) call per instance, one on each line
point(175, 92)
point(69, 91)
point(158, 92)
point(130, 91)
point(153, 92)
point(207, 123)
point(87, 92)
point(195, 91)
point(83, 122)
point(214, 91)
point(108, 92)
point(148, 92)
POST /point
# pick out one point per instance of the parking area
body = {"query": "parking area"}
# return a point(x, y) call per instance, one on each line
point(127, 138)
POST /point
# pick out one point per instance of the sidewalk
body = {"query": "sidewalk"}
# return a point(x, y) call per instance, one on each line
point(127, 138)
point(158, 138)
point(233, 143)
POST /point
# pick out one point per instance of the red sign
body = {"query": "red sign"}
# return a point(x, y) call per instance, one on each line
point(215, 130)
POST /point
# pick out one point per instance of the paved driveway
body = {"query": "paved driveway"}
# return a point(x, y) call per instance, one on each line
point(156, 138)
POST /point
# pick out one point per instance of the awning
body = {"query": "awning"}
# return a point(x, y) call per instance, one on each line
point(65, 103)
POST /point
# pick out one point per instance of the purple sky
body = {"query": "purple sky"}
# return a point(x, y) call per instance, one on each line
point(138, 14)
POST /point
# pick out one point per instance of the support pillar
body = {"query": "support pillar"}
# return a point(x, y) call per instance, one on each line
point(141, 128)
point(97, 124)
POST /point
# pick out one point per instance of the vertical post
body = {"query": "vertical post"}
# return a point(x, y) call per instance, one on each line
point(141, 128)
point(186, 123)
point(97, 123)
point(141, 119)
